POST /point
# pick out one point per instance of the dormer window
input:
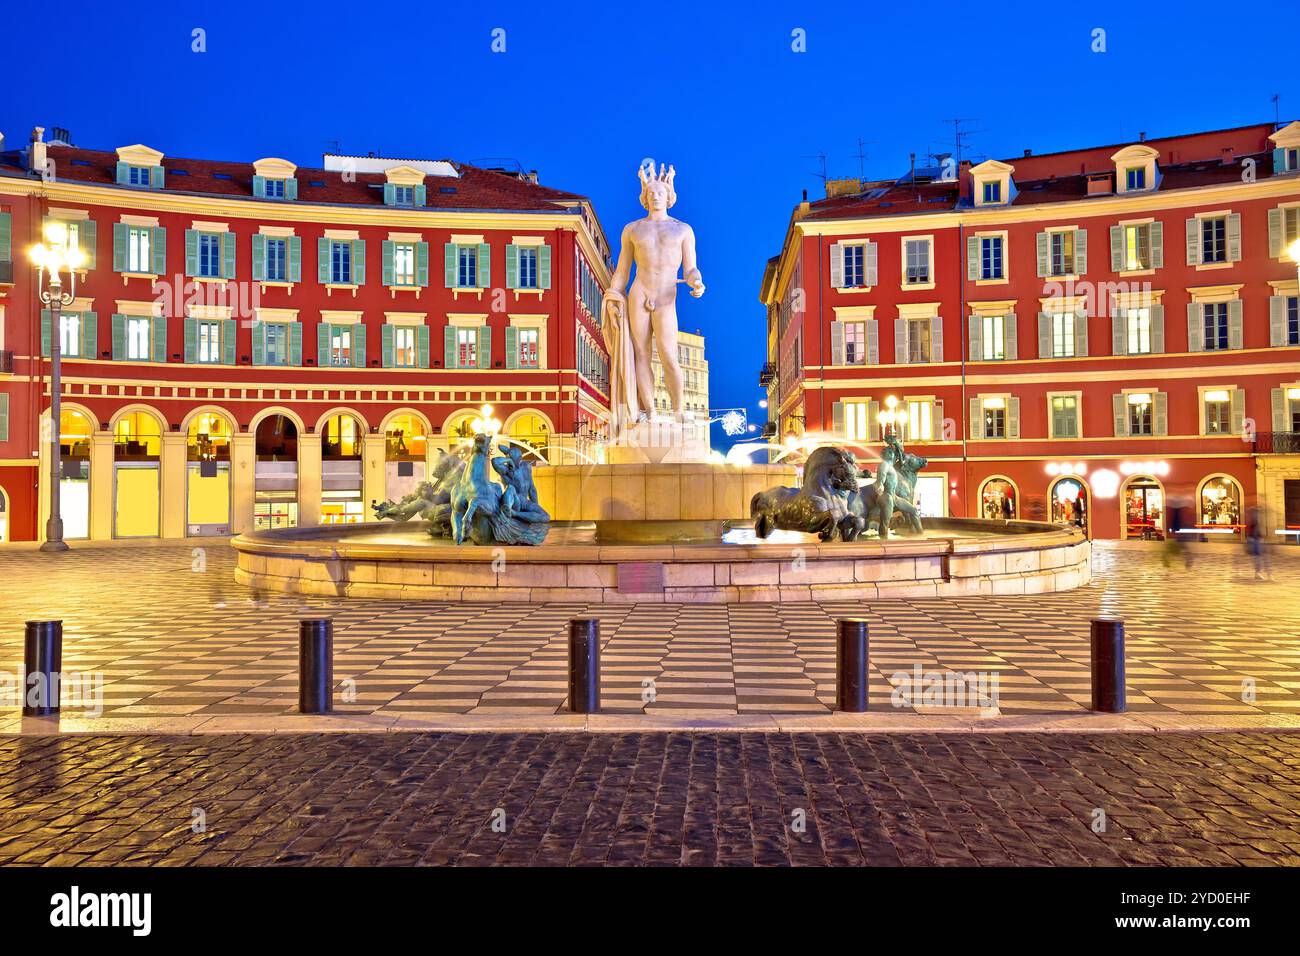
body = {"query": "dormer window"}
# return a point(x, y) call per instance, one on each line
point(992, 183)
point(1286, 149)
point(274, 179)
point(993, 192)
point(274, 189)
point(139, 166)
point(403, 195)
point(405, 186)
point(1135, 177)
point(1136, 169)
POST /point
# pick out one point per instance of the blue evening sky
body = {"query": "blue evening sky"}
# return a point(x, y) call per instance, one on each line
point(586, 89)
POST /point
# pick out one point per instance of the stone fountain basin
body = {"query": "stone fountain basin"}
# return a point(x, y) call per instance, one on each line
point(666, 561)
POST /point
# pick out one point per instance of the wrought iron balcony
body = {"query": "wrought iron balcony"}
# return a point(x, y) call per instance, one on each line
point(769, 430)
point(1277, 443)
point(767, 373)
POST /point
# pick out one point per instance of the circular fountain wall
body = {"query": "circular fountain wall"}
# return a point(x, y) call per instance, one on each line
point(668, 561)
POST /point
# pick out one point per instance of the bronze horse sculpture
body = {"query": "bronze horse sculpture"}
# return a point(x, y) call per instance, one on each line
point(821, 506)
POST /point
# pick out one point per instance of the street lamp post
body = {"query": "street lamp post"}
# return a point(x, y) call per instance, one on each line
point(890, 417)
point(51, 257)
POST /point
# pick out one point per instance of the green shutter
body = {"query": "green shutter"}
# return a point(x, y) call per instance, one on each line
point(123, 174)
point(157, 177)
point(295, 258)
point(358, 262)
point(322, 260)
point(390, 194)
point(228, 255)
point(88, 237)
point(158, 247)
point(387, 257)
point(484, 265)
point(1116, 248)
point(386, 344)
point(191, 252)
point(119, 337)
point(512, 266)
point(90, 335)
point(422, 346)
point(448, 347)
point(972, 258)
point(512, 347)
point(4, 416)
point(449, 265)
point(422, 264)
point(46, 323)
point(295, 343)
point(120, 236)
point(259, 264)
point(259, 187)
point(359, 345)
point(323, 345)
point(259, 343)
point(291, 188)
point(158, 332)
point(421, 192)
point(6, 237)
point(544, 267)
point(228, 327)
point(484, 346)
point(191, 341)
point(1044, 255)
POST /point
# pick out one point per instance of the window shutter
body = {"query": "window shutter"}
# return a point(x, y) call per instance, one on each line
point(291, 188)
point(837, 266)
point(191, 341)
point(937, 420)
point(158, 330)
point(359, 345)
point(449, 347)
point(1080, 251)
point(976, 326)
point(873, 420)
point(88, 241)
point(228, 327)
point(259, 187)
point(976, 419)
point(1044, 335)
point(158, 247)
point(1234, 237)
point(295, 343)
point(358, 262)
point(90, 335)
point(228, 255)
point(6, 237)
point(543, 267)
point(1279, 410)
point(1080, 334)
point(386, 345)
point(1195, 328)
point(900, 341)
point(484, 265)
point(449, 265)
point(1193, 242)
point(936, 339)
point(1157, 329)
point(294, 271)
point(1275, 233)
point(837, 343)
point(485, 346)
point(4, 416)
point(837, 419)
point(1279, 161)
point(422, 264)
point(871, 271)
point(1119, 332)
point(1161, 413)
point(119, 246)
point(386, 258)
point(1044, 257)
point(972, 258)
point(390, 194)
point(156, 177)
point(1013, 417)
point(512, 346)
point(259, 342)
point(512, 266)
point(422, 346)
point(1238, 411)
point(873, 342)
point(1234, 324)
point(323, 345)
point(323, 271)
point(123, 174)
point(1011, 336)
point(259, 262)
point(119, 337)
point(421, 193)
point(1276, 320)
point(1116, 248)
point(1156, 232)
point(1119, 404)
point(191, 252)
point(46, 324)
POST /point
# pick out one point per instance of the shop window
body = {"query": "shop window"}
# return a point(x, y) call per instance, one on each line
point(341, 438)
point(1144, 509)
point(998, 500)
point(1220, 504)
point(1070, 503)
point(208, 438)
point(137, 436)
point(533, 432)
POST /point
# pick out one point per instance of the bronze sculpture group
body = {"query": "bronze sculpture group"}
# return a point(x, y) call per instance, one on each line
point(833, 502)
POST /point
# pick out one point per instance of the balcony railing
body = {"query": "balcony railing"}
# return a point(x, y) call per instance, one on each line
point(6, 362)
point(1277, 443)
point(767, 373)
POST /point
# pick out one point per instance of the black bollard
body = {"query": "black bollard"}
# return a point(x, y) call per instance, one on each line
point(584, 665)
point(42, 662)
point(851, 665)
point(1108, 665)
point(315, 666)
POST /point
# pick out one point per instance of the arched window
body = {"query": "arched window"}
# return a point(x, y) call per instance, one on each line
point(1219, 503)
point(998, 499)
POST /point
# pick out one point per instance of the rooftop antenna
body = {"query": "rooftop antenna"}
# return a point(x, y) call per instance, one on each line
point(862, 157)
point(334, 146)
point(822, 157)
point(1277, 110)
point(959, 135)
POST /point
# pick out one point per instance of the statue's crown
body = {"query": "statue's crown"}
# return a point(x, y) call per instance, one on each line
point(647, 173)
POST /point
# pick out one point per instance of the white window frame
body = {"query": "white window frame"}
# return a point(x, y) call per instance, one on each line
point(135, 338)
point(929, 283)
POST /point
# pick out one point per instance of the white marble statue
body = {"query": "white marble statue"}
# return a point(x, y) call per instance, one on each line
point(659, 245)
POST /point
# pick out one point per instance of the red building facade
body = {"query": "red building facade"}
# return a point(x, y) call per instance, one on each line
point(1107, 336)
point(261, 345)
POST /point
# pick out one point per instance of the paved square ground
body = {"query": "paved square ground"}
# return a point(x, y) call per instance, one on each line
point(174, 635)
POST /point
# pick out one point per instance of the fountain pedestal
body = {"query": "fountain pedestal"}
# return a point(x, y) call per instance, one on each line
point(660, 442)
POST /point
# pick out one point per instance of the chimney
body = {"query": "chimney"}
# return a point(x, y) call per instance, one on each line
point(59, 135)
point(965, 182)
point(1142, 136)
point(1028, 153)
point(36, 152)
point(1226, 156)
point(805, 195)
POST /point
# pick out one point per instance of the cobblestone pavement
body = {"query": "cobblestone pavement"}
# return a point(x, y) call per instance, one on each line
point(1024, 799)
point(173, 635)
